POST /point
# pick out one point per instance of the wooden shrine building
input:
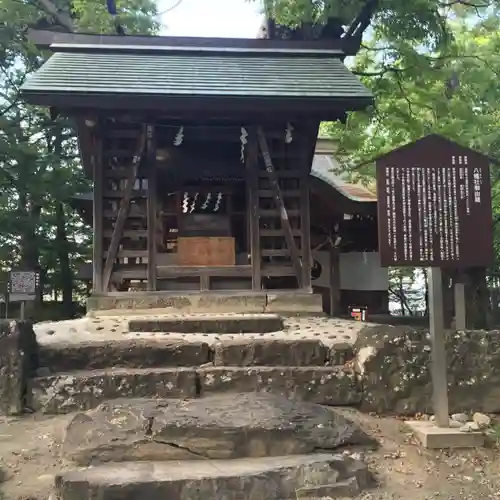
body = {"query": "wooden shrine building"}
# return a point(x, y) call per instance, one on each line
point(200, 151)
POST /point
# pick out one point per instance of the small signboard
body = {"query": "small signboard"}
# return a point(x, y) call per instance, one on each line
point(434, 206)
point(358, 313)
point(23, 285)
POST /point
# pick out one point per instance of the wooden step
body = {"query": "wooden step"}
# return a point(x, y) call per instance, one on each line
point(274, 212)
point(278, 232)
point(211, 271)
point(129, 254)
point(136, 272)
point(122, 173)
point(128, 233)
point(136, 193)
point(134, 213)
point(269, 193)
point(282, 174)
point(273, 270)
point(276, 252)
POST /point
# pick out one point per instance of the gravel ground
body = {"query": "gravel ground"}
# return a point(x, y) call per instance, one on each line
point(404, 470)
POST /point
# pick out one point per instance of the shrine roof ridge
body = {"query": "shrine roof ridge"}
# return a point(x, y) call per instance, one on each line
point(408, 147)
point(429, 140)
point(89, 42)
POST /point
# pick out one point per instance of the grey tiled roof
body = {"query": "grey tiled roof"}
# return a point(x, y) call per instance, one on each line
point(196, 74)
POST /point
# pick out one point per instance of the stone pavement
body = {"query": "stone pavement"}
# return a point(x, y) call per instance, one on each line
point(330, 331)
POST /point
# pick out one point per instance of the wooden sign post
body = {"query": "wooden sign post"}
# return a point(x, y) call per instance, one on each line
point(434, 211)
point(23, 286)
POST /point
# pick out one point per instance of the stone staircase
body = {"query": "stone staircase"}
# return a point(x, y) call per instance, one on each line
point(155, 358)
point(238, 393)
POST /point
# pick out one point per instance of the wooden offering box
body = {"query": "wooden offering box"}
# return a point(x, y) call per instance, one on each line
point(206, 251)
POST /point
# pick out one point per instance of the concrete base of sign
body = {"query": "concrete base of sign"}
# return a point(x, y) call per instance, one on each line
point(433, 437)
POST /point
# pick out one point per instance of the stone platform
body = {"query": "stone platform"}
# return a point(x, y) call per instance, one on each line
point(280, 301)
point(85, 362)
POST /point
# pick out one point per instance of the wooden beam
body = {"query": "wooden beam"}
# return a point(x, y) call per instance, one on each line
point(305, 226)
point(334, 279)
point(122, 213)
point(285, 222)
point(151, 206)
point(305, 219)
point(252, 187)
point(98, 215)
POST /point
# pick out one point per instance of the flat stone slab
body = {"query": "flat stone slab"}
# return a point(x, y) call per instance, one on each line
point(162, 352)
point(270, 352)
point(216, 427)
point(86, 389)
point(272, 478)
point(209, 323)
point(333, 332)
point(123, 352)
point(294, 303)
point(335, 386)
point(83, 390)
point(433, 437)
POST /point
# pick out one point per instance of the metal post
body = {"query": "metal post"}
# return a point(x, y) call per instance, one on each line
point(23, 304)
point(438, 353)
point(460, 309)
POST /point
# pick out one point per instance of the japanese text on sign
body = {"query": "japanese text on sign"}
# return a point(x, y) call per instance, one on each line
point(429, 214)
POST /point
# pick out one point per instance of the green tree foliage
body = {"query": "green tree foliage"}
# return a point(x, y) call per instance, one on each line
point(40, 170)
point(433, 66)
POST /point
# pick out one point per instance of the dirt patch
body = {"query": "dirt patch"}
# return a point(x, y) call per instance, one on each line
point(30, 454)
point(403, 470)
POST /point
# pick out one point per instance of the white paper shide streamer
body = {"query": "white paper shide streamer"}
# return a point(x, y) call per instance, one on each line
point(244, 142)
point(179, 137)
point(289, 133)
point(193, 204)
point(207, 201)
point(218, 202)
point(185, 203)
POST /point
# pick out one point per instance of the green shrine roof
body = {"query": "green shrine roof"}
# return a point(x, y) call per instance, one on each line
point(78, 74)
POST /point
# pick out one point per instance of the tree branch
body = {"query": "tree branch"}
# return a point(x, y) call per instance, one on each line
point(363, 19)
point(61, 17)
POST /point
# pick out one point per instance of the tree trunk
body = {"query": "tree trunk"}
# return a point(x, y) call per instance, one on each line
point(477, 298)
point(62, 244)
point(62, 248)
point(30, 251)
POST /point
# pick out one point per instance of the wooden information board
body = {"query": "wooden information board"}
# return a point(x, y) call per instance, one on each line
point(434, 206)
point(206, 251)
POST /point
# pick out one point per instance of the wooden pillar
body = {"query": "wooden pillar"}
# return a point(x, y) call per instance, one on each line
point(152, 212)
point(252, 206)
point(98, 214)
point(305, 227)
point(334, 279)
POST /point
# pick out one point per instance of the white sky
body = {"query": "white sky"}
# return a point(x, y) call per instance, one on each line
point(211, 18)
